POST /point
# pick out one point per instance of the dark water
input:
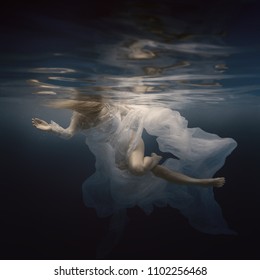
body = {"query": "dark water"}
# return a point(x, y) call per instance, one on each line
point(205, 63)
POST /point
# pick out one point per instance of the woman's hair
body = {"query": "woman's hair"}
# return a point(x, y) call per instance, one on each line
point(87, 105)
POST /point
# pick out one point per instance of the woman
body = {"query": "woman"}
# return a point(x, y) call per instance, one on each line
point(125, 177)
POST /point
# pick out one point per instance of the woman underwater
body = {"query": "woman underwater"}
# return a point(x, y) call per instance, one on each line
point(125, 177)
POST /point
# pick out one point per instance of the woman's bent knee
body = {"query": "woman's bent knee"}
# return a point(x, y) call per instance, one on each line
point(137, 169)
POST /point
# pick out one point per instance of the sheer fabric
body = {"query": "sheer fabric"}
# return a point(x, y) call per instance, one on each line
point(112, 188)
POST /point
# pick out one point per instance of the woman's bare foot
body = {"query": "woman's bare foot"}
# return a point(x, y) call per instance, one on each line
point(156, 158)
point(213, 182)
point(218, 182)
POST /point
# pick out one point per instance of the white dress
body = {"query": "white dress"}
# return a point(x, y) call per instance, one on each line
point(112, 188)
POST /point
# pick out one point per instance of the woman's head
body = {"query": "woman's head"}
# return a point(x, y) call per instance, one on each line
point(83, 104)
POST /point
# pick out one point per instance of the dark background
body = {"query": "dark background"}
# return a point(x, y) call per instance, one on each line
point(42, 215)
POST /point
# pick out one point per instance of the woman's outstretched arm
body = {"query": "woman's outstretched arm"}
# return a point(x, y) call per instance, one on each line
point(57, 129)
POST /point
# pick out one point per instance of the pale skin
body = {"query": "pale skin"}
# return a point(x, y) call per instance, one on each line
point(138, 164)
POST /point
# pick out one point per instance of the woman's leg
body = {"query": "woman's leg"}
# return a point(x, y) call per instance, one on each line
point(138, 164)
point(179, 178)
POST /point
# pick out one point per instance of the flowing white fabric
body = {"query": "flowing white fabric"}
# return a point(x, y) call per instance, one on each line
point(112, 188)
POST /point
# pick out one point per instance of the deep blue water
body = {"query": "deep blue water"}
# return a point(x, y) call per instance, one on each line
point(50, 50)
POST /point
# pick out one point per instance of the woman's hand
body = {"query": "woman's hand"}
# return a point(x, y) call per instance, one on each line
point(40, 124)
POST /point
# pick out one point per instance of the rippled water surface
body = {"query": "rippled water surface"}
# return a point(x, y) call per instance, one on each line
point(139, 53)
